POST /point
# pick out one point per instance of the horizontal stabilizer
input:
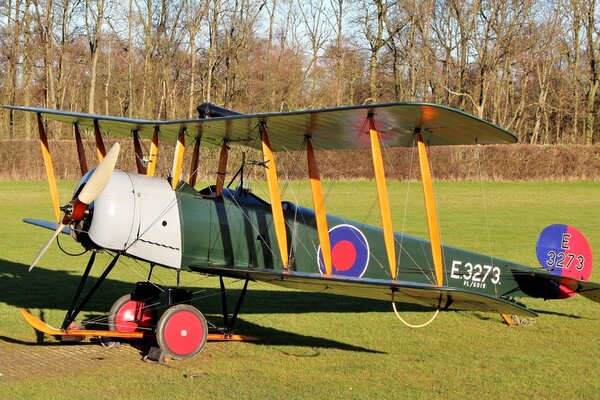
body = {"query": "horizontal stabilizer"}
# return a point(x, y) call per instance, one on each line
point(543, 284)
point(443, 297)
point(47, 224)
point(589, 290)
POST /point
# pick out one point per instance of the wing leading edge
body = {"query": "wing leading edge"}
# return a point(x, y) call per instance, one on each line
point(329, 128)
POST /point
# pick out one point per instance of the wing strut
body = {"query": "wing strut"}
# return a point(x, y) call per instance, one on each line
point(274, 195)
point(432, 220)
point(80, 150)
point(222, 171)
point(319, 206)
point(178, 158)
point(100, 149)
point(139, 156)
point(153, 153)
point(49, 167)
point(382, 194)
point(195, 162)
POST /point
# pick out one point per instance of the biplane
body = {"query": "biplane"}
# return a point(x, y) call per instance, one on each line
point(224, 232)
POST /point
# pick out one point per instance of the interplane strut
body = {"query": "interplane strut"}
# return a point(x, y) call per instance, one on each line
point(274, 195)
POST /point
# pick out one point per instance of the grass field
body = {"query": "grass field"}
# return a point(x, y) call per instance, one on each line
point(313, 345)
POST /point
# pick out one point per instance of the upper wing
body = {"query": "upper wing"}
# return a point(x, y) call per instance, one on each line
point(442, 297)
point(330, 128)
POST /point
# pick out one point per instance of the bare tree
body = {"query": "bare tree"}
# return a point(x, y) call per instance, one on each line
point(373, 29)
point(318, 32)
point(94, 19)
point(194, 15)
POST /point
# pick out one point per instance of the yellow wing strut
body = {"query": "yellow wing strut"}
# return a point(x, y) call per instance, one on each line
point(49, 167)
point(319, 206)
point(222, 166)
point(80, 150)
point(100, 149)
point(274, 195)
point(195, 162)
point(139, 156)
point(178, 159)
point(432, 220)
point(382, 194)
point(153, 153)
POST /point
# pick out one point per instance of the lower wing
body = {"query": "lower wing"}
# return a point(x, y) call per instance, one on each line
point(442, 297)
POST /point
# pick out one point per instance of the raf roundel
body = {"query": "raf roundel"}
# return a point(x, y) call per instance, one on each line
point(349, 252)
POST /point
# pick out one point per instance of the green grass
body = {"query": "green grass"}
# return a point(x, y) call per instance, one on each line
point(312, 345)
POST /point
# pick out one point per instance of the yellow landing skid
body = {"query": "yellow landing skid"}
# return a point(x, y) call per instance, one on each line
point(43, 327)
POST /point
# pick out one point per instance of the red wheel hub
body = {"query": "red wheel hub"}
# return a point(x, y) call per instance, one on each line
point(132, 316)
point(183, 333)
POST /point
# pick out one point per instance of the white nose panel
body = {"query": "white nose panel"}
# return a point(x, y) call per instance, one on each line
point(115, 216)
point(139, 215)
point(158, 239)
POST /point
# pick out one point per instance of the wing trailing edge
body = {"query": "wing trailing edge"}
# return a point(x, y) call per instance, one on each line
point(443, 297)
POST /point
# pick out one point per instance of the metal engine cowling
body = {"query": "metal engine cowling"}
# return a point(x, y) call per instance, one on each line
point(139, 215)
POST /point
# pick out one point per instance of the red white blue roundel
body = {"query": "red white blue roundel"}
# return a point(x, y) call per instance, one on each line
point(349, 252)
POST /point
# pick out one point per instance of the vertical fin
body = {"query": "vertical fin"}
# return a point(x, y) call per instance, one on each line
point(274, 195)
point(432, 220)
point(382, 194)
point(153, 153)
point(178, 158)
point(319, 206)
point(80, 150)
point(49, 167)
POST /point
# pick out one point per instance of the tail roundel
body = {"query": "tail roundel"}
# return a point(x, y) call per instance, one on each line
point(564, 252)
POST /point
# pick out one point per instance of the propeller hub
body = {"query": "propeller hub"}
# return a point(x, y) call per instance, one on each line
point(74, 211)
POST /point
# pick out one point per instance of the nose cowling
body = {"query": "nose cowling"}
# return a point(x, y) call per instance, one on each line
point(138, 215)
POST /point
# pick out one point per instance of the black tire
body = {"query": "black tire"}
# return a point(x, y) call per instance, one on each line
point(181, 332)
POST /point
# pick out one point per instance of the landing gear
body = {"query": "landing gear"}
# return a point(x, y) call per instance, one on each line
point(127, 315)
point(181, 332)
point(133, 312)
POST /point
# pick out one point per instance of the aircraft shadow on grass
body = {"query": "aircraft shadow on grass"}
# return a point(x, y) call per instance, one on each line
point(50, 289)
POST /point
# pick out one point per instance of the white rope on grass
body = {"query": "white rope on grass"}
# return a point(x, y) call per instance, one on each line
point(437, 311)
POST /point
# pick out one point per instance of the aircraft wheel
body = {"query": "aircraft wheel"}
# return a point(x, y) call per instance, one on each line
point(181, 332)
point(128, 315)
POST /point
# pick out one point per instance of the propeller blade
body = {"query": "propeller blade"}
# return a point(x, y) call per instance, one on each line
point(61, 226)
point(94, 186)
point(99, 179)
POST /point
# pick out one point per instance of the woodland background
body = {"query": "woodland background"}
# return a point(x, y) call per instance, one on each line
point(529, 66)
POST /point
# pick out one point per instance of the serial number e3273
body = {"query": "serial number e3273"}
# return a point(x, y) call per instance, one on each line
point(474, 275)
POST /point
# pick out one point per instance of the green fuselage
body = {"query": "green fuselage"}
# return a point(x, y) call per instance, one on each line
point(236, 231)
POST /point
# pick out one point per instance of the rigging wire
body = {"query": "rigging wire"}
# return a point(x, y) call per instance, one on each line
point(485, 212)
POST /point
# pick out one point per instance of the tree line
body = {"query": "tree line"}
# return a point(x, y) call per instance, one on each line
point(529, 66)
